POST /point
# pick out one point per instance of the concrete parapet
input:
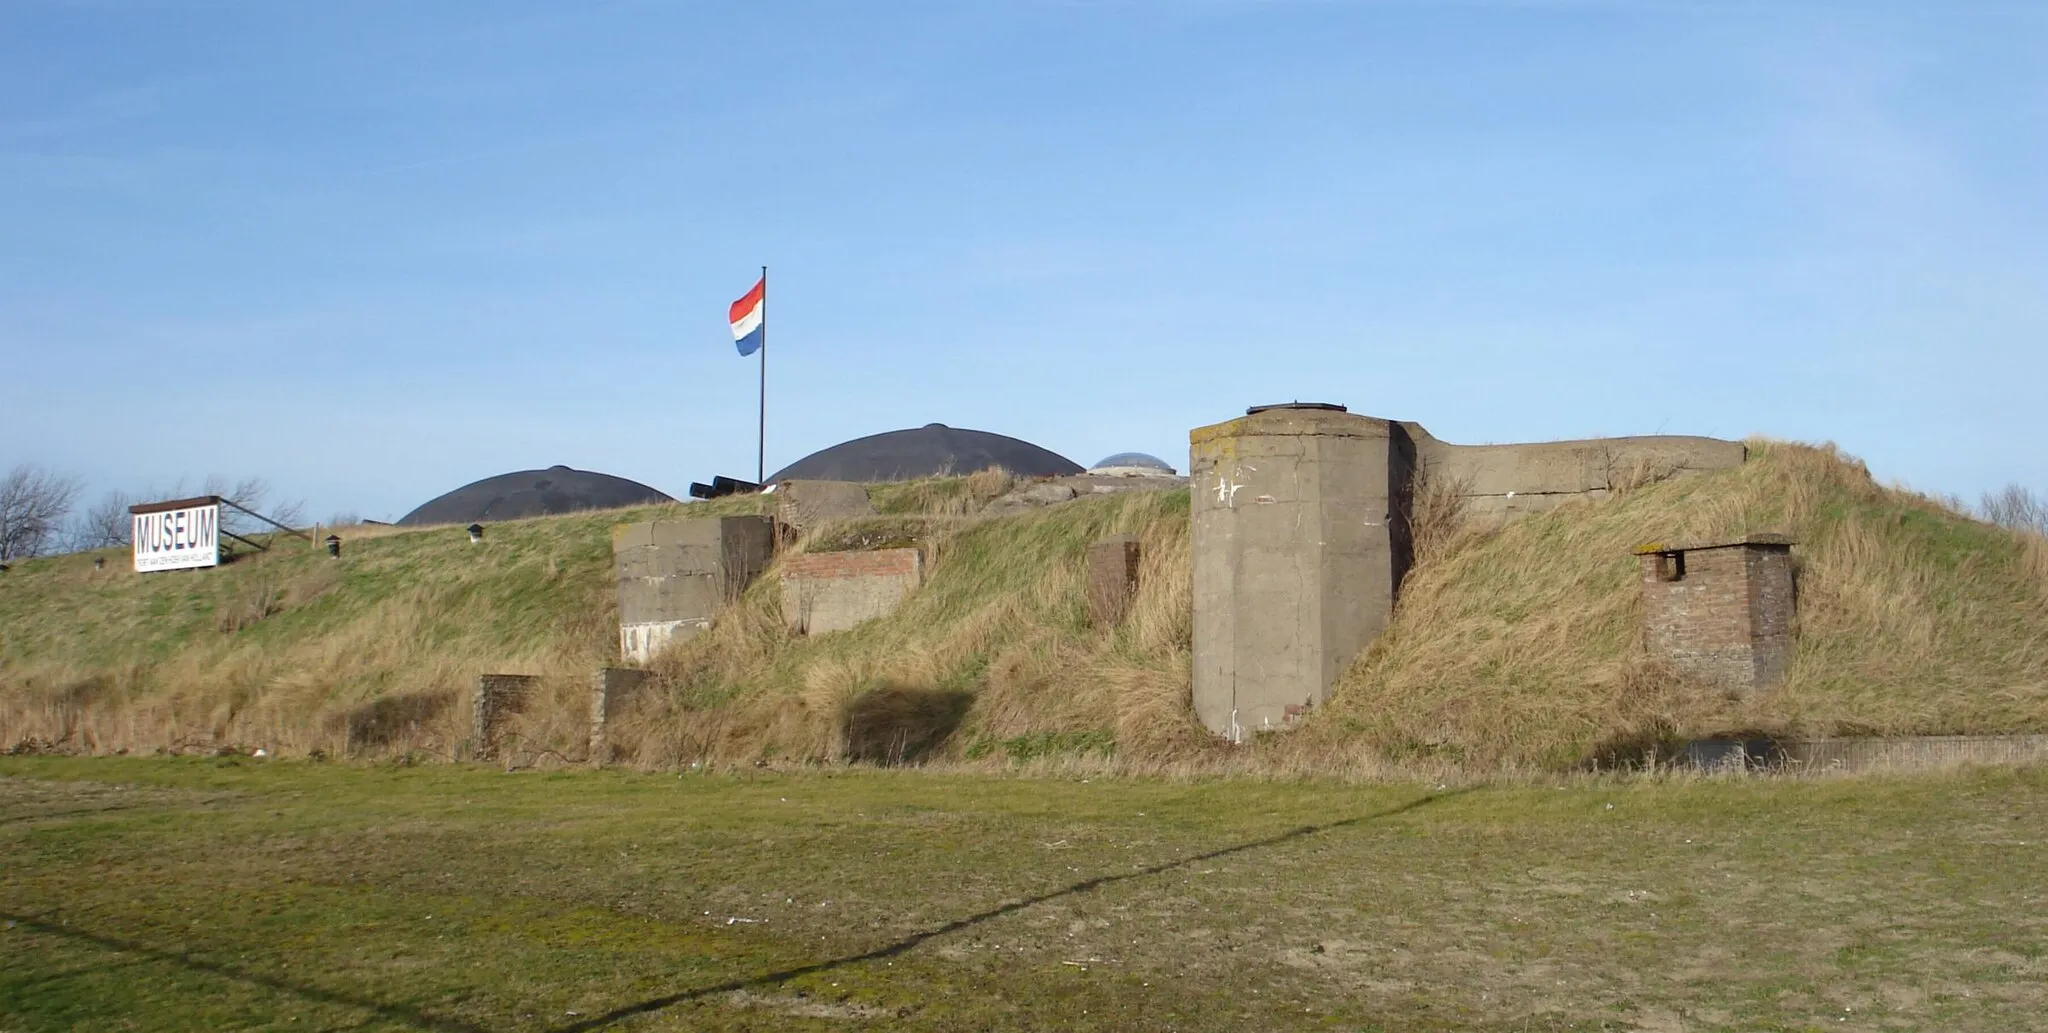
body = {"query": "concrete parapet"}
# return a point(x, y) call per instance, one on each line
point(1498, 482)
point(675, 574)
point(497, 697)
point(1300, 541)
point(805, 504)
point(609, 692)
point(1112, 578)
point(1721, 611)
point(833, 591)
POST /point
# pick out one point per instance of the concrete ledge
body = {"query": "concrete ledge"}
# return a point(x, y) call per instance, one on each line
point(1818, 756)
point(1765, 538)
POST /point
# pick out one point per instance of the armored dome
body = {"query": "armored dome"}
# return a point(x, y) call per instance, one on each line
point(530, 493)
point(933, 450)
point(1132, 461)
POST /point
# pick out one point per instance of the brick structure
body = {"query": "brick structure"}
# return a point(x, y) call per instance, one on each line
point(1721, 611)
point(833, 591)
point(1112, 578)
point(497, 697)
point(609, 692)
point(674, 575)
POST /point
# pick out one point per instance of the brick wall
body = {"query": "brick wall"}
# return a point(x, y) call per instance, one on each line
point(832, 591)
point(1723, 612)
point(497, 697)
point(881, 563)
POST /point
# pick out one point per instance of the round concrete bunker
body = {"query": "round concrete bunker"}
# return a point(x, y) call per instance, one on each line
point(1300, 541)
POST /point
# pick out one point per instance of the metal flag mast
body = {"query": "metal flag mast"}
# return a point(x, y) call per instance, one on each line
point(761, 453)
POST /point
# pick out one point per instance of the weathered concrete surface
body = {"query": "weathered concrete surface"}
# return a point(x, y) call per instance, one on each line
point(675, 574)
point(609, 692)
point(805, 504)
point(1300, 541)
point(1503, 481)
point(1721, 611)
point(1028, 495)
point(497, 697)
point(832, 591)
point(1112, 578)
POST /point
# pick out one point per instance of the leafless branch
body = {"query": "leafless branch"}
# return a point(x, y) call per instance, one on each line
point(106, 524)
point(34, 503)
point(2017, 508)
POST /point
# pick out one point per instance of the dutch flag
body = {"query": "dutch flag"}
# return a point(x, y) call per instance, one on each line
point(748, 314)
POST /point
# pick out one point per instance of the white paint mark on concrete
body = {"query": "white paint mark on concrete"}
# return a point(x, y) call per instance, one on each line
point(1226, 492)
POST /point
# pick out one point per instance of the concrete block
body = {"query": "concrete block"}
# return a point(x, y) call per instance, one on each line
point(833, 591)
point(1721, 611)
point(497, 697)
point(674, 575)
point(609, 692)
point(1300, 541)
point(1112, 578)
point(805, 504)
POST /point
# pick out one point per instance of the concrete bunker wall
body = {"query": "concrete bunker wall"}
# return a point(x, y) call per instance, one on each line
point(1499, 482)
point(1300, 540)
point(675, 574)
point(1301, 518)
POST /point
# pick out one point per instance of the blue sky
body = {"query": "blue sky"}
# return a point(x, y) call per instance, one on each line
point(372, 251)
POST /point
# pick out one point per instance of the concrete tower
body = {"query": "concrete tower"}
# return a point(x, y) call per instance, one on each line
point(1300, 541)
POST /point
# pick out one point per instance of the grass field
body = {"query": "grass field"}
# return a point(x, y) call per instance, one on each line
point(232, 893)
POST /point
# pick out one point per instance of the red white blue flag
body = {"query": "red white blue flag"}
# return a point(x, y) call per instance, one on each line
point(748, 313)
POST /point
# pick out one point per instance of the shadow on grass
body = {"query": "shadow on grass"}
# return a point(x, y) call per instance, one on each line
point(422, 1020)
point(75, 812)
point(913, 940)
point(392, 1012)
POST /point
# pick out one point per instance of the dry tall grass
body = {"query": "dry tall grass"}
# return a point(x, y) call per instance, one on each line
point(1000, 621)
point(1520, 646)
point(299, 653)
point(1511, 649)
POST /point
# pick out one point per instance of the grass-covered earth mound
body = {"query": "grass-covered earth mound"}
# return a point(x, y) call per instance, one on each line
point(1514, 647)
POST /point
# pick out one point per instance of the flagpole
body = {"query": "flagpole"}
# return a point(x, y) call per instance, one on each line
point(761, 455)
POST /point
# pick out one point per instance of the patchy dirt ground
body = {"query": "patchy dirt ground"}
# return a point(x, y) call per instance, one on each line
point(231, 894)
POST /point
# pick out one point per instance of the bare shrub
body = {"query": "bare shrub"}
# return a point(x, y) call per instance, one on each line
point(2016, 508)
point(253, 494)
point(34, 503)
point(106, 524)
